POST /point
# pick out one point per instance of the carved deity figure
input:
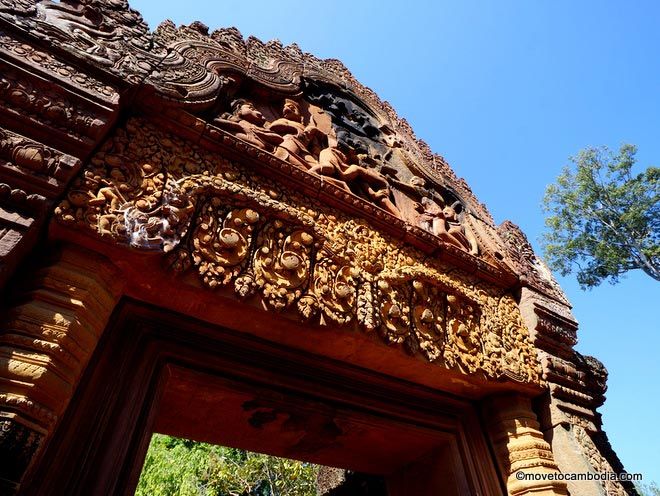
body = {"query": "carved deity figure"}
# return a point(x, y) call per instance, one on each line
point(463, 333)
point(307, 146)
point(297, 137)
point(333, 163)
point(247, 123)
point(444, 222)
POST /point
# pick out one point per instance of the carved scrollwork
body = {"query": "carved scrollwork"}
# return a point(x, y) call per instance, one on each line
point(282, 263)
point(334, 288)
point(51, 106)
point(48, 62)
point(222, 241)
point(464, 348)
point(239, 230)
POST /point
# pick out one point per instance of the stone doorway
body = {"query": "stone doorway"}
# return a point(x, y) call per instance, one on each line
point(157, 371)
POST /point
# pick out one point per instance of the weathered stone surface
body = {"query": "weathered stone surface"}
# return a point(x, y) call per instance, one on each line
point(261, 169)
point(46, 340)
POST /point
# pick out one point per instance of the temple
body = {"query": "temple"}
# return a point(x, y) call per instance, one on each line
point(236, 242)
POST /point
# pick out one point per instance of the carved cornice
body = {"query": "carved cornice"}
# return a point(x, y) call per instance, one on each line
point(22, 51)
point(33, 166)
point(34, 106)
point(554, 328)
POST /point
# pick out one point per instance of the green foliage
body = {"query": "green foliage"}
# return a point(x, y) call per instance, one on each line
point(651, 489)
point(603, 220)
point(180, 467)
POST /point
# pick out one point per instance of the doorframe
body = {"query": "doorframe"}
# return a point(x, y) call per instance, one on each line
point(100, 445)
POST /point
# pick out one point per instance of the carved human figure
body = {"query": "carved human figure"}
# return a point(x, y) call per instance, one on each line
point(444, 222)
point(296, 136)
point(334, 165)
point(111, 193)
point(247, 123)
point(151, 188)
point(84, 22)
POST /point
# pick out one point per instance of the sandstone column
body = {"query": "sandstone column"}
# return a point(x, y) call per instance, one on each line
point(46, 340)
point(520, 448)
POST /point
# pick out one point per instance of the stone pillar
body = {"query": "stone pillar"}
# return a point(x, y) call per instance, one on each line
point(519, 446)
point(46, 340)
point(576, 383)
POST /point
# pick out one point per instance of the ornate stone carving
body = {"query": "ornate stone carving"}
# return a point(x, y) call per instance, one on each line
point(532, 269)
point(520, 447)
point(306, 120)
point(236, 229)
point(26, 52)
point(48, 105)
point(208, 69)
point(104, 32)
point(577, 386)
point(27, 157)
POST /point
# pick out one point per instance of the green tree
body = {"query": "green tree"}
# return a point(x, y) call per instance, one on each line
point(602, 219)
point(180, 467)
point(651, 489)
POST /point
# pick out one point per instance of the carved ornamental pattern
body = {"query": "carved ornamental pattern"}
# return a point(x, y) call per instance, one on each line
point(237, 230)
point(288, 183)
point(533, 270)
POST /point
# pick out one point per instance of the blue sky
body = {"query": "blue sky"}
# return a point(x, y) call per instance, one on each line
point(506, 91)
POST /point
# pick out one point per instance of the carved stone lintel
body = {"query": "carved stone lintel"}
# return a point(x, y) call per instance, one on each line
point(235, 228)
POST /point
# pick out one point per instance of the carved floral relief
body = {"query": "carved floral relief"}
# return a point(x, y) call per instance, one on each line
point(238, 230)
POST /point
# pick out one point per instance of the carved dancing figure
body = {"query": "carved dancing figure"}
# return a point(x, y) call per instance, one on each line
point(333, 162)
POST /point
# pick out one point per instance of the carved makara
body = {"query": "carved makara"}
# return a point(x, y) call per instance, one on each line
point(243, 232)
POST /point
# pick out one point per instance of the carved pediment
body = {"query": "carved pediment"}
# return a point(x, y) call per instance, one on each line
point(106, 33)
point(269, 174)
point(345, 135)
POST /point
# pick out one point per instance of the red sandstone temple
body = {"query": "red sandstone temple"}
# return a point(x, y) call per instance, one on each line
point(236, 242)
